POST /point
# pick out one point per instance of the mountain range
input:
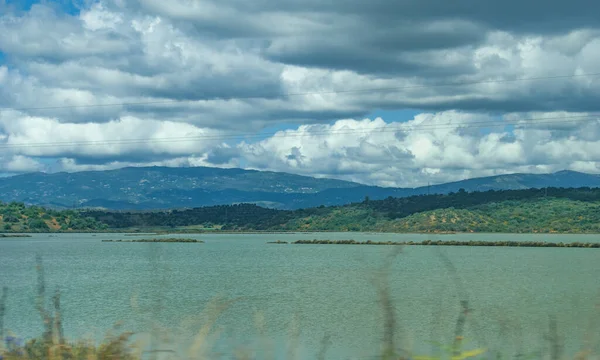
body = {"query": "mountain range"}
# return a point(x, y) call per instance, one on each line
point(145, 188)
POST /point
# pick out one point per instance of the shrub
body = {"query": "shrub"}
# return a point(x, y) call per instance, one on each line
point(38, 224)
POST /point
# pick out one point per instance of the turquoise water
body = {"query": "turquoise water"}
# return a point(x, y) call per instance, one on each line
point(319, 290)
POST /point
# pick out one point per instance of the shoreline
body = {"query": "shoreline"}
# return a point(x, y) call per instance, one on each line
point(447, 243)
point(269, 232)
point(170, 240)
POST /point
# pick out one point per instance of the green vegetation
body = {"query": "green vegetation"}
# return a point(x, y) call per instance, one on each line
point(170, 240)
point(552, 210)
point(16, 217)
point(450, 243)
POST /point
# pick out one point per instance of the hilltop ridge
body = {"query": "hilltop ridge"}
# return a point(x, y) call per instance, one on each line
point(148, 188)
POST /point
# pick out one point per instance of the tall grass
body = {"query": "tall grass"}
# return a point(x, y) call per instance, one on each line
point(122, 345)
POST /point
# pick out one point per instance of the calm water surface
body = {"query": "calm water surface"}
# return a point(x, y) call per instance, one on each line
point(309, 290)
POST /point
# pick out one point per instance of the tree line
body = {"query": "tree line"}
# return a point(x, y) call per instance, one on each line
point(253, 217)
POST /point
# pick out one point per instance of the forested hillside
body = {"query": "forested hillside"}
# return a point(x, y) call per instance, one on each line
point(547, 210)
point(532, 210)
point(16, 217)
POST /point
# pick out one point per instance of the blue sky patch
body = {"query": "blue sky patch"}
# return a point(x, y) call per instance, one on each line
point(394, 115)
point(65, 6)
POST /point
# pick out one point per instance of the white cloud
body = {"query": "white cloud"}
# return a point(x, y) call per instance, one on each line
point(98, 18)
point(430, 148)
point(71, 165)
point(43, 34)
point(212, 69)
point(19, 164)
point(123, 138)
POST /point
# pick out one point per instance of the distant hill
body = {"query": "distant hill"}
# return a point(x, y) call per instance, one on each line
point(564, 179)
point(146, 188)
point(159, 187)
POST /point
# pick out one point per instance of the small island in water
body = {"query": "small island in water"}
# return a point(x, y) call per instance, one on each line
point(168, 240)
point(452, 243)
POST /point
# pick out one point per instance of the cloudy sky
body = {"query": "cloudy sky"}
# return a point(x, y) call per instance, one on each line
point(384, 92)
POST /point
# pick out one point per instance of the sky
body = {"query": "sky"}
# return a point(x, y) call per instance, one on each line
point(381, 92)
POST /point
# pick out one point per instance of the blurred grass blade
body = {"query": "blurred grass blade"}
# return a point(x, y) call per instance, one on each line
point(468, 354)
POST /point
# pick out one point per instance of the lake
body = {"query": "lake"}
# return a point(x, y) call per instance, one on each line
point(303, 293)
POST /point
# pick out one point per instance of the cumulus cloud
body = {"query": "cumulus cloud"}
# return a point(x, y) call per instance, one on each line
point(72, 165)
point(117, 139)
point(75, 87)
point(432, 147)
point(19, 164)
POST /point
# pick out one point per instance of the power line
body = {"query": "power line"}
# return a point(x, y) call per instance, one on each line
point(376, 130)
point(285, 95)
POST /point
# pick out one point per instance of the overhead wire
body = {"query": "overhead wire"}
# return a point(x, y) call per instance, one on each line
point(313, 132)
point(563, 120)
point(291, 94)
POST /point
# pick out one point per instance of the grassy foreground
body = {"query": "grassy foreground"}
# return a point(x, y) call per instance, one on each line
point(52, 344)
